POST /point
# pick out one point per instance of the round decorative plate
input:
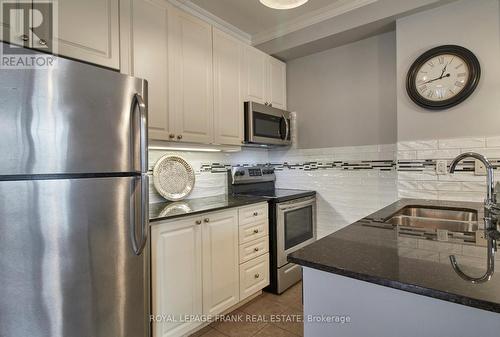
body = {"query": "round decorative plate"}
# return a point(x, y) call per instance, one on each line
point(173, 177)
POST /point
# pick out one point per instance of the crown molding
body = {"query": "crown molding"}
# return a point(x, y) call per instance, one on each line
point(215, 21)
point(338, 8)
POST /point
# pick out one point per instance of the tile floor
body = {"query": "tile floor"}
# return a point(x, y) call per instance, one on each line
point(261, 317)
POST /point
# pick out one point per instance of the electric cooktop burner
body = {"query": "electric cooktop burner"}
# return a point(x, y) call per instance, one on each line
point(280, 194)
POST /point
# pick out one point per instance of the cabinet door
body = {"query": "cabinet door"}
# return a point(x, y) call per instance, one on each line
point(86, 30)
point(176, 275)
point(147, 46)
point(277, 83)
point(228, 102)
point(13, 29)
point(255, 75)
point(220, 262)
point(190, 68)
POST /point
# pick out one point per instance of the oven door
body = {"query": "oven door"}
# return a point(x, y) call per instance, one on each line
point(296, 226)
point(266, 125)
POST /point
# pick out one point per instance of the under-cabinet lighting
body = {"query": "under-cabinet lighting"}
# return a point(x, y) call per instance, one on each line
point(186, 149)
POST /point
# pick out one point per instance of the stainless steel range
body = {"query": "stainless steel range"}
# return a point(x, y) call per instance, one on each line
point(292, 220)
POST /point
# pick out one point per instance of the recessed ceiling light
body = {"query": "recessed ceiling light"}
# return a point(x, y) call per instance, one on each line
point(283, 4)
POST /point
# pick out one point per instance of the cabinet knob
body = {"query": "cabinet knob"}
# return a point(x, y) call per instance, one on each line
point(265, 103)
point(256, 276)
point(179, 137)
point(24, 37)
point(171, 136)
point(255, 213)
point(206, 220)
point(198, 222)
point(255, 231)
point(42, 42)
point(256, 249)
point(270, 104)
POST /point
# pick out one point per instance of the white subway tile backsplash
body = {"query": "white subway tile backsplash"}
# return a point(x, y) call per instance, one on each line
point(438, 154)
point(493, 141)
point(458, 143)
point(418, 145)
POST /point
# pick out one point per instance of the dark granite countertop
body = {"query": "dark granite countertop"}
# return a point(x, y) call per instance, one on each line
point(379, 253)
point(169, 210)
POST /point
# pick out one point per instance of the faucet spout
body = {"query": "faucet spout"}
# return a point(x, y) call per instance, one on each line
point(490, 195)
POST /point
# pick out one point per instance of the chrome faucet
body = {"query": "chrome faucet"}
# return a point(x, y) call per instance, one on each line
point(491, 217)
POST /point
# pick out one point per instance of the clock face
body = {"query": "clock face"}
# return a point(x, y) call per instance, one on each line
point(442, 77)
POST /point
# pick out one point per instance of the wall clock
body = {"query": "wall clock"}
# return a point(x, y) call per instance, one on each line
point(443, 77)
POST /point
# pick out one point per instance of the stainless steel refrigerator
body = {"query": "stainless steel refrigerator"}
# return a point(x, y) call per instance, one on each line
point(73, 203)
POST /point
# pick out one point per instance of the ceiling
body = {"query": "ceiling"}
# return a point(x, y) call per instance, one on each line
point(253, 18)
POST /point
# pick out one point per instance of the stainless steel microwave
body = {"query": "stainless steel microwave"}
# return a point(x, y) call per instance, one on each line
point(266, 125)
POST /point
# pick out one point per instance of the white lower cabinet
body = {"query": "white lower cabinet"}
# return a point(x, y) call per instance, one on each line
point(200, 266)
point(254, 275)
point(176, 275)
point(220, 262)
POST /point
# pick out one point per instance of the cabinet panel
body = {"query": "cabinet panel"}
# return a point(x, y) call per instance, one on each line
point(254, 276)
point(253, 231)
point(176, 274)
point(255, 75)
point(277, 83)
point(149, 60)
point(88, 31)
point(253, 249)
point(228, 102)
point(14, 27)
point(220, 262)
point(190, 68)
point(253, 213)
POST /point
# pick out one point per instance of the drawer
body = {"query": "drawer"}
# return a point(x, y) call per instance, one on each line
point(253, 213)
point(253, 249)
point(254, 276)
point(253, 231)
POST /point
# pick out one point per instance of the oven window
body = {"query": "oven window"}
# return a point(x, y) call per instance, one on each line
point(266, 125)
point(298, 226)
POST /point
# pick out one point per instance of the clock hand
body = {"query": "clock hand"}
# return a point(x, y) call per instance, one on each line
point(438, 78)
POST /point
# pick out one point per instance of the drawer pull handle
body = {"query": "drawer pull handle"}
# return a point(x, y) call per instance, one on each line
point(198, 222)
point(256, 249)
point(255, 213)
point(256, 231)
point(256, 275)
point(206, 220)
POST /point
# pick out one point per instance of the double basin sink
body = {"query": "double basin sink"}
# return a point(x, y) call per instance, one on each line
point(460, 220)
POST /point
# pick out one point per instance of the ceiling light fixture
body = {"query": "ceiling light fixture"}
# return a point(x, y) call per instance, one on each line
point(283, 4)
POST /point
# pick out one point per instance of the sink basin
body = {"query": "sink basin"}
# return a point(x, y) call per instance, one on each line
point(438, 213)
point(451, 219)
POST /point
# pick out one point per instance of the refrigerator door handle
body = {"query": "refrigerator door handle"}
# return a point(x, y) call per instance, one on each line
point(138, 247)
point(143, 126)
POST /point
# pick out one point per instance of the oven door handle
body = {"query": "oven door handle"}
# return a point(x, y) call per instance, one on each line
point(297, 205)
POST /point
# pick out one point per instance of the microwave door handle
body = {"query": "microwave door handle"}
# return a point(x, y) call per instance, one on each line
point(287, 127)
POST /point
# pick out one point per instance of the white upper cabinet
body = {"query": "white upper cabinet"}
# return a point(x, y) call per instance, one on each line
point(255, 75)
point(220, 262)
point(144, 54)
point(190, 71)
point(176, 275)
point(277, 83)
point(264, 79)
point(84, 30)
point(89, 31)
point(228, 101)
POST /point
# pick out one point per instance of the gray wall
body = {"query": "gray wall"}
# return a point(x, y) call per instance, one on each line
point(345, 96)
point(475, 25)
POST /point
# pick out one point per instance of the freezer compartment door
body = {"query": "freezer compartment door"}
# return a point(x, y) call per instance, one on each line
point(74, 118)
point(68, 261)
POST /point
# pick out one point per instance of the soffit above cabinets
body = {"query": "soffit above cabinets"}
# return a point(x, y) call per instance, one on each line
point(315, 26)
point(263, 24)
